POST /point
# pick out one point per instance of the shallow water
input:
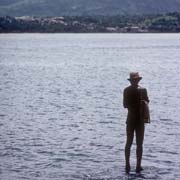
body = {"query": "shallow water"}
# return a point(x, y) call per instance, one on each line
point(61, 113)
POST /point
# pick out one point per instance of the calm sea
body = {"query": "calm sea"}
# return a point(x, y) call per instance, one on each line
point(61, 113)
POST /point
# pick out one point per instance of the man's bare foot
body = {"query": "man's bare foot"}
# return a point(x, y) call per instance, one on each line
point(139, 169)
point(127, 168)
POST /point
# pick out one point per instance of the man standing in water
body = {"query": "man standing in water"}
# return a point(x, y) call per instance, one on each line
point(132, 101)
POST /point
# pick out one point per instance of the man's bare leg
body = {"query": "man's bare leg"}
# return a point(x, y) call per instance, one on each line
point(130, 136)
point(139, 150)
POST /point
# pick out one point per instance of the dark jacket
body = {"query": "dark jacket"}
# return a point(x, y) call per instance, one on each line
point(132, 97)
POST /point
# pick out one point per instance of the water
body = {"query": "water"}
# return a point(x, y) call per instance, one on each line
point(61, 113)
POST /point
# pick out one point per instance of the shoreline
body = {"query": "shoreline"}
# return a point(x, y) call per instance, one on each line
point(89, 33)
point(164, 23)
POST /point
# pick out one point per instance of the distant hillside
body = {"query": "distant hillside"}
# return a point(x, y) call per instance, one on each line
point(86, 7)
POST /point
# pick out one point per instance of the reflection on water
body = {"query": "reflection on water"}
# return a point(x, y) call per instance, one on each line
point(61, 114)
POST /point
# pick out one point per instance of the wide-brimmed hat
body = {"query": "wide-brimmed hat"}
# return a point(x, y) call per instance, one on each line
point(134, 76)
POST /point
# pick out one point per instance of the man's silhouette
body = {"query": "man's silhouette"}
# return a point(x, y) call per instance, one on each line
point(132, 101)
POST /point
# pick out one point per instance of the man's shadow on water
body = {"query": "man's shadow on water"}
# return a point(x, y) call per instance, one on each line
point(135, 176)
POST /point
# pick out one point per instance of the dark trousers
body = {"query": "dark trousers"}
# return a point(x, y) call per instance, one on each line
point(138, 129)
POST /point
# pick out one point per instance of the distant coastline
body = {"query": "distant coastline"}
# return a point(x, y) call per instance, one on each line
point(161, 23)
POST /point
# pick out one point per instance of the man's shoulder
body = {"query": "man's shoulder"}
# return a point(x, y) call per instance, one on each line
point(127, 88)
point(142, 88)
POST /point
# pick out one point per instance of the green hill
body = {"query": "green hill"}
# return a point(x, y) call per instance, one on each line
point(86, 7)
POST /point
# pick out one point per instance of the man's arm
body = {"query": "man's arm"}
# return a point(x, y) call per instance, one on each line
point(125, 99)
point(146, 98)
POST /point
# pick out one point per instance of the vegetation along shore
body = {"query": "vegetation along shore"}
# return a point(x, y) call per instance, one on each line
point(169, 22)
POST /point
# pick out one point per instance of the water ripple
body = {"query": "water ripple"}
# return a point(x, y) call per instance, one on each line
point(61, 109)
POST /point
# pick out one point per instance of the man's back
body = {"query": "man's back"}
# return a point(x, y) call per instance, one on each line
point(131, 101)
